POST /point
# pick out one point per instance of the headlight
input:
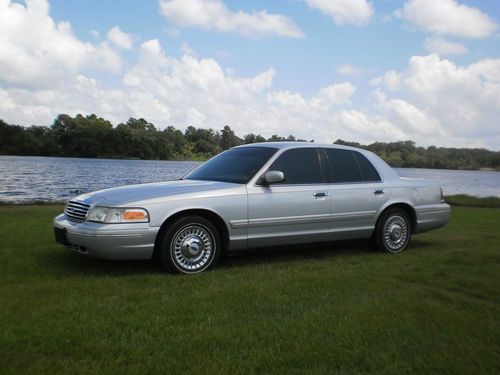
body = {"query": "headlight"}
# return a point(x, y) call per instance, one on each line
point(118, 215)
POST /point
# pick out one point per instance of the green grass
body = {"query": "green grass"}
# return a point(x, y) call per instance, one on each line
point(470, 201)
point(335, 308)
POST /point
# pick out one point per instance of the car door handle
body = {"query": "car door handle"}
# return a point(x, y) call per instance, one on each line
point(321, 195)
point(378, 192)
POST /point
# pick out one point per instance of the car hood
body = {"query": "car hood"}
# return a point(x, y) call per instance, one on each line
point(156, 192)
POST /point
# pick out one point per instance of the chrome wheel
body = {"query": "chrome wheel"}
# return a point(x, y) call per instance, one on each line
point(192, 248)
point(393, 230)
point(189, 245)
point(396, 233)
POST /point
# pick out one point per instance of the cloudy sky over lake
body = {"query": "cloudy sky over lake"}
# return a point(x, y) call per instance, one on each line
point(359, 70)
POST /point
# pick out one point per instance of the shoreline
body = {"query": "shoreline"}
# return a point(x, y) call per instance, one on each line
point(200, 160)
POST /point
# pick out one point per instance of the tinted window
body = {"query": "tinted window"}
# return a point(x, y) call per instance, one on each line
point(368, 171)
point(351, 166)
point(343, 165)
point(238, 165)
point(300, 166)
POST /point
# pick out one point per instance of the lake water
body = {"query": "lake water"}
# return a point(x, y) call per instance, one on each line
point(26, 178)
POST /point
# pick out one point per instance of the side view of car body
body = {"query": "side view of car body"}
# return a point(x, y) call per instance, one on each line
point(253, 196)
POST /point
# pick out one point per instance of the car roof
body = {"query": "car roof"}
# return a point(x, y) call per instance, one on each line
point(285, 145)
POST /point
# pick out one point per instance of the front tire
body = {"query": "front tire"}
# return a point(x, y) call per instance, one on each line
point(190, 245)
point(393, 231)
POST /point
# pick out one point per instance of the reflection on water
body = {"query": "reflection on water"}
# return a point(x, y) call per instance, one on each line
point(26, 178)
point(477, 183)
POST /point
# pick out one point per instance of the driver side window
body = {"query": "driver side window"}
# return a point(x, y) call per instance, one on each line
point(300, 166)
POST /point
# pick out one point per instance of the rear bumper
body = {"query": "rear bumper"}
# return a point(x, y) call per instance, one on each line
point(432, 217)
point(106, 241)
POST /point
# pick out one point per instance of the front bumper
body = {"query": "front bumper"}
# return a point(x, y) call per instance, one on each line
point(106, 241)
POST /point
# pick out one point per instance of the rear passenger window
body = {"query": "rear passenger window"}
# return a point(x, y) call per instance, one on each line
point(350, 166)
point(368, 171)
point(300, 166)
point(343, 165)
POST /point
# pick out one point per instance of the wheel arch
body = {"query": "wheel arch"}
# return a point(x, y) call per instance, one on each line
point(212, 216)
point(406, 207)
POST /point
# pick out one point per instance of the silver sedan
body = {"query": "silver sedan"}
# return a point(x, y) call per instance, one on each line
point(253, 196)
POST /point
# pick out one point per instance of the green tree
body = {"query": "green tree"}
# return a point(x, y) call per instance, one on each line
point(252, 138)
point(204, 141)
point(92, 136)
point(85, 136)
point(137, 138)
point(228, 139)
point(276, 138)
point(171, 142)
point(11, 139)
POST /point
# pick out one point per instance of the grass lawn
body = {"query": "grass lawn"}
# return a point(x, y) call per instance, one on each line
point(470, 201)
point(335, 308)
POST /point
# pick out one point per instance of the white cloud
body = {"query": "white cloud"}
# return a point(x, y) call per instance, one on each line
point(431, 101)
point(413, 121)
point(205, 95)
point(120, 39)
point(214, 14)
point(448, 17)
point(333, 95)
point(444, 47)
point(461, 103)
point(357, 12)
point(36, 51)
point(391, 79)
point(488, 69)
point(350, 70)
point(187, 50)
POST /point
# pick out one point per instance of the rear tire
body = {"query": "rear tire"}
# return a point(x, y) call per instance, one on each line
point(190, 245)
point(393, 231)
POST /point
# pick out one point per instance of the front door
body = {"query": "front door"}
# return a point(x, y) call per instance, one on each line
point(295, 210)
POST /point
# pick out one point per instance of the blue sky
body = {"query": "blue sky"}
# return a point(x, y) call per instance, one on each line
point(302, 65)
point(325, 69)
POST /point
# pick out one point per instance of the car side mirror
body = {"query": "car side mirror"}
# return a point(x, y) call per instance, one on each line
point(274, 177)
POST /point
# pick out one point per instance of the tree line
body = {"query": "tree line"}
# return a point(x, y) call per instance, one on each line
point(94, 137)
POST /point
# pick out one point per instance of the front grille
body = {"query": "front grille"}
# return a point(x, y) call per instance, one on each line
point(76, 210)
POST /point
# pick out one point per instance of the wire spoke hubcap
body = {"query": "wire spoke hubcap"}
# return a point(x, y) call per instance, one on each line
point(192, 247)
point(396, 233)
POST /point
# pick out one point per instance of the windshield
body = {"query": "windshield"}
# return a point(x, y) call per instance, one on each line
point(237, 165)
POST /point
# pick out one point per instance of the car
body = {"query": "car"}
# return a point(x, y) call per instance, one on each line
point(255, 195)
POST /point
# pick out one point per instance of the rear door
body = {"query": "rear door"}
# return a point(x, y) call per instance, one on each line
point(357, 192)
point(295, 210)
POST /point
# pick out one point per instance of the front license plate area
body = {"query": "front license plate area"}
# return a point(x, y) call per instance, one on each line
point(60, 235)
